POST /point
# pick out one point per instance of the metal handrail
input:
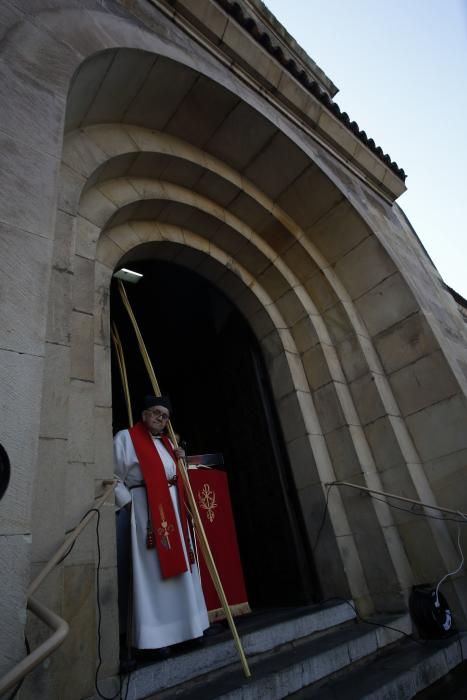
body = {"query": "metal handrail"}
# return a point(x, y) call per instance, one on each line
point(399, 498)
point(51, 619)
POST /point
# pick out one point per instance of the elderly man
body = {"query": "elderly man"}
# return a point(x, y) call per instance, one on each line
point(168, 603)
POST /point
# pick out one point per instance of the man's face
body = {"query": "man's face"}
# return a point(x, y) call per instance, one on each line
point(155, 419)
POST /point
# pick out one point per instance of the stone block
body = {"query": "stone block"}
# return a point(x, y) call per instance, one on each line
point(388, 303)
point(103, 449)
point(300, 261)
point(304, 334)
point(103, 380)
point(338, 323)
point(82, 154)
point(317, 370)
point(56, 389)
point(338, 232)
point(375, 557)
point(312, 196)
point(367, 399)
point(79, 498)
point(108, 594)
point(248, 304)
point(445, 475)
point(125, 236)
point(337, 132)
point(79, 609)
point(369, 162)
point(353, 360)
point(40, 55)
point(322, 294)
point(21, 381)
point(291, 308)
point(23, 288)
point(83, 284)
point(82, 346)
point(302, 462)
point(64, 241)
point(15, 554)
point(112, 139)
point(250, 53)
point(426, 568)
point(344, 459)
point(274, 181)
point(293, 93)
point(42, 683)
point(364, 267)
point(49, 499)
point(286, 374)
point(81, 424)
point(291, 417)
point(405, 342)
point(70, 189)
point(384, 444)
point(327, 556)
point(397, 480)
point(262, 323)
point(87, 235)
point(27, 203)
point(108, 252)
point(424, 382)
point(103, 278)
point(328, 408)
point(97, 207)
point(29, 112)
point(439, 429)
point(59, 309)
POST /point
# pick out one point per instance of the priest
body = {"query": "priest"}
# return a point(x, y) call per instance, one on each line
point(168, 603)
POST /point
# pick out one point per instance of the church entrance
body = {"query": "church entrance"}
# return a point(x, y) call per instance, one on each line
point(208, 360)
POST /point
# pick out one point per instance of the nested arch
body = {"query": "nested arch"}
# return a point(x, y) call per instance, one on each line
point(291, 391)
point(281, 223)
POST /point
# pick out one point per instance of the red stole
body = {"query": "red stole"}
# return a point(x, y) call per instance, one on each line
point(168, 541)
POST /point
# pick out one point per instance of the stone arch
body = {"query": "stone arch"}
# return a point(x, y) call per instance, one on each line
point(52, 49)
point(90, 159)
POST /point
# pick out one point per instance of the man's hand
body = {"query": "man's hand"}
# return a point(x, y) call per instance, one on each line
point(180, 453)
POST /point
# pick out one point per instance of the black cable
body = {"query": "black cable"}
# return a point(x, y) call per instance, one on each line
point(370, 622)
point(99, 622)
point(323, 518)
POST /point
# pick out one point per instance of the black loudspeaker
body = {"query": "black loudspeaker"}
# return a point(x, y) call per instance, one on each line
point(431, 615)
point(4, 471)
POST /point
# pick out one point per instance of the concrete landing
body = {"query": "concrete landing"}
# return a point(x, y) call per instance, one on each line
point(315, 653)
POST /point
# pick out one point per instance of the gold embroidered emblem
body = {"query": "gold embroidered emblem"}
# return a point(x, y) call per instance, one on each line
point(165, 530)
point(207, 501)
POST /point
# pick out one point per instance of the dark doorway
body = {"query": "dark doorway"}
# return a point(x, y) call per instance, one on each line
point(209, 362)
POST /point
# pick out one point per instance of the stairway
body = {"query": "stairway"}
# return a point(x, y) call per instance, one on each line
point(315, 653)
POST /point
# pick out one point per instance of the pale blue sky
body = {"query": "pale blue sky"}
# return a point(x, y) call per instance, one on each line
point(401, 70)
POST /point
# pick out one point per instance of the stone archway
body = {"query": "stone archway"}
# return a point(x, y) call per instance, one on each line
point(309, 247)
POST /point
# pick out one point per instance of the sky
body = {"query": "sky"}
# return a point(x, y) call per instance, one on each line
point(401, 70)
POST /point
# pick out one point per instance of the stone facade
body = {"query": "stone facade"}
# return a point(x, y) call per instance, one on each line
point(247, 176)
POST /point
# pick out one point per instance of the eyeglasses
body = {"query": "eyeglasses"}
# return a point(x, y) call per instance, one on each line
point(158, 414)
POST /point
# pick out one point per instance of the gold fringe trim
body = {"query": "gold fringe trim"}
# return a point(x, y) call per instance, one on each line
point(238, 609)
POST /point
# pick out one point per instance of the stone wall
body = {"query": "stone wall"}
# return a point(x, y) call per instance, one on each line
point(364, 346)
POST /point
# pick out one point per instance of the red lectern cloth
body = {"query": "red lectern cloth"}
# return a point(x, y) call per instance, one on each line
point(211, 491)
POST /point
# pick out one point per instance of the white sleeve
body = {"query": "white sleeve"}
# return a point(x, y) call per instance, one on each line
point(122, 493)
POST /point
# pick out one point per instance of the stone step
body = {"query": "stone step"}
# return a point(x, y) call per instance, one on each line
point(399, 673)
point(260, 634)
point(293, 665)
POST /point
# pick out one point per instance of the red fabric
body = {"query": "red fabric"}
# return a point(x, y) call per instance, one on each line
point(210, 488)
point(168, 541)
